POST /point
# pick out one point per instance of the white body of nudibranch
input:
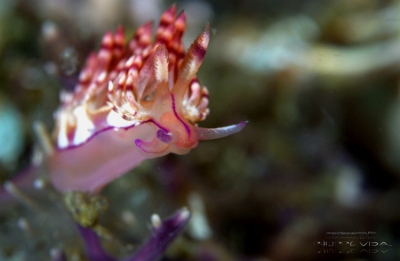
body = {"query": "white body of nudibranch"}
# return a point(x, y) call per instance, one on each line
point(133, 102)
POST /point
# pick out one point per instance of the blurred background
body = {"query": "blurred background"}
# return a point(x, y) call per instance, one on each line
point(318, 82)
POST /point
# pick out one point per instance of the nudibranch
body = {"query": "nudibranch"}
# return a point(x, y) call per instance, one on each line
point(133, 102)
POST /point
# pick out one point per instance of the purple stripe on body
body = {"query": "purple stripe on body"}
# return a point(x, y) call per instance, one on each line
point(109, 128)
point(177, 116)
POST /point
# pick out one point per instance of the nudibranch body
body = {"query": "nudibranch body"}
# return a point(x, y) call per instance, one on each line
point(133, 102)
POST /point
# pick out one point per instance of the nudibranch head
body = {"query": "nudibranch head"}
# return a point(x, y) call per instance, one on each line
point(133, 101)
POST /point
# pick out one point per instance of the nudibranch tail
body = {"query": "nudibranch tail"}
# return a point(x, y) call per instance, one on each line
point(133, 101)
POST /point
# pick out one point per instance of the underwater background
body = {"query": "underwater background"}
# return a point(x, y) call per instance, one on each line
point(314, 175)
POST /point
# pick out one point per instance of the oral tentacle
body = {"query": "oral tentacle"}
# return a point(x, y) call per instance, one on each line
point(154, 146)
point(216, 133)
